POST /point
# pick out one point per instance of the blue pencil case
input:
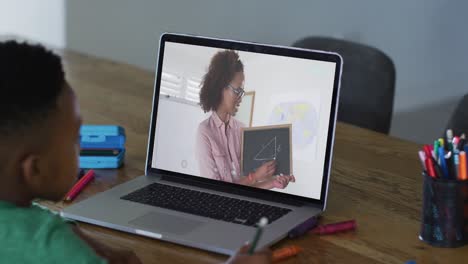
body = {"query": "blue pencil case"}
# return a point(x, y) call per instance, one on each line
point(102, 137)
point(102, 162)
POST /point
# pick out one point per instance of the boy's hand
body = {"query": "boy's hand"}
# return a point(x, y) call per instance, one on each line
point(113, 256)
point(263, 256)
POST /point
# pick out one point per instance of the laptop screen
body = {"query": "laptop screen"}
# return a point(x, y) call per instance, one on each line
point(243, 117)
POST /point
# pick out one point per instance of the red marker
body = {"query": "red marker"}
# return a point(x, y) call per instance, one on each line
point(427, 151)
point(79, 186)
point(430, 168)
point(335, 228)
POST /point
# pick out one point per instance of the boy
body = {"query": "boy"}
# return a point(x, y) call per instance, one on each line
point(39, 146)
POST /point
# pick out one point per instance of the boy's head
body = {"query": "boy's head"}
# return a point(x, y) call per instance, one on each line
point(39, 124)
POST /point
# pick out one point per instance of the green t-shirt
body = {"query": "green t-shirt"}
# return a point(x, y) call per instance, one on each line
point(36, 235)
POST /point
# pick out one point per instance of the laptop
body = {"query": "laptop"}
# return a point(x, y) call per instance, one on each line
point(238, 131)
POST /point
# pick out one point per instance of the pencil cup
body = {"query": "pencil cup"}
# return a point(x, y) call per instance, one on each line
point(444, 220)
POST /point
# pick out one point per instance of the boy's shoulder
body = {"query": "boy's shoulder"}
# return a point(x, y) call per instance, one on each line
point(29, 221)
point(36, 235)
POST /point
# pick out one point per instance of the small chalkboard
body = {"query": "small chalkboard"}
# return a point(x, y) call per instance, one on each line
point(265, 143)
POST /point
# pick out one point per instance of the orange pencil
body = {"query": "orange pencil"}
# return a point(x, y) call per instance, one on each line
point(76, 189)
point(462, 174)
point(286, 252)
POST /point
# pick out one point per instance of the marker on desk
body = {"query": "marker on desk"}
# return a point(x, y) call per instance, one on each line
point(263, 222)
point(335, 228)
point(304, 227)
point(286, 252)
point(79, 186)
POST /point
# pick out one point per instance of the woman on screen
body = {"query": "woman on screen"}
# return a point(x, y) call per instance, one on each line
point(218, 143)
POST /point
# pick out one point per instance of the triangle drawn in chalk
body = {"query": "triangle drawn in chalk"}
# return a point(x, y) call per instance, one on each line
point(268, 151)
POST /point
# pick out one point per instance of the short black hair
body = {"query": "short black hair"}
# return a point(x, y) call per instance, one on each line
point(223, 67)
point(31, 80)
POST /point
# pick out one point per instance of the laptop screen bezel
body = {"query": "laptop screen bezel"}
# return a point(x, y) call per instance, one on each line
point(257, 48)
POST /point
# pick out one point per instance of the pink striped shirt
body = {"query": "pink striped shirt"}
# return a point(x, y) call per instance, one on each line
point(218, 148)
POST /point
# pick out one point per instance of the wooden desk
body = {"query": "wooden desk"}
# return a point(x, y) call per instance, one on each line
point(375, 179)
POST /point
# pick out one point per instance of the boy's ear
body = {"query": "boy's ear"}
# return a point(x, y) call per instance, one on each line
point(31, 171)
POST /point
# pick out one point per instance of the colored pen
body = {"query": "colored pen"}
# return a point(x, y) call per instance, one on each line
point(79, 186)
point(462, 141)
point(436, 149)
point(455, 142)
point(456, 165)
point(462, 174)
point(443, 163)
point(335, 228)
point(441, 143)
point(263, 222)
point(438, 169)
point(450, 165)
point(449, 135)
point(427, 151)
point(430, 168)
point(304, 227)
point(286, 252)
point(422, 158)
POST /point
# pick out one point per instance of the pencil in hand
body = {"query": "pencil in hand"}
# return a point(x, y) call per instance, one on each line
point(263, 222)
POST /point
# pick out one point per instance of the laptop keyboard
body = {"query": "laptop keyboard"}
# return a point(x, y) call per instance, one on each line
point(205, 204)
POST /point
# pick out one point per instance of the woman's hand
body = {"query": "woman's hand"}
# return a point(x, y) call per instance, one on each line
point(260, 257)
point(281, 181)
point(265, 171)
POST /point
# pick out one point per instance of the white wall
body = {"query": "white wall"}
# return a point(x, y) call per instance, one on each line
point(425, 38)
point(42, 21)
point(174, 146)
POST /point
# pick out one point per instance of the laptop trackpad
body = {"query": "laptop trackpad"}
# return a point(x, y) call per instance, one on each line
point(160, 222)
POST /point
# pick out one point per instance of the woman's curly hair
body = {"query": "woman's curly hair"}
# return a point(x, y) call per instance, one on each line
point(223, 66)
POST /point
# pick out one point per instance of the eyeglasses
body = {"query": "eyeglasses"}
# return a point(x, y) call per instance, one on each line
point(240, 92)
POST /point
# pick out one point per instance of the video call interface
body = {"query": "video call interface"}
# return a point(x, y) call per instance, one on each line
point(247, 118)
